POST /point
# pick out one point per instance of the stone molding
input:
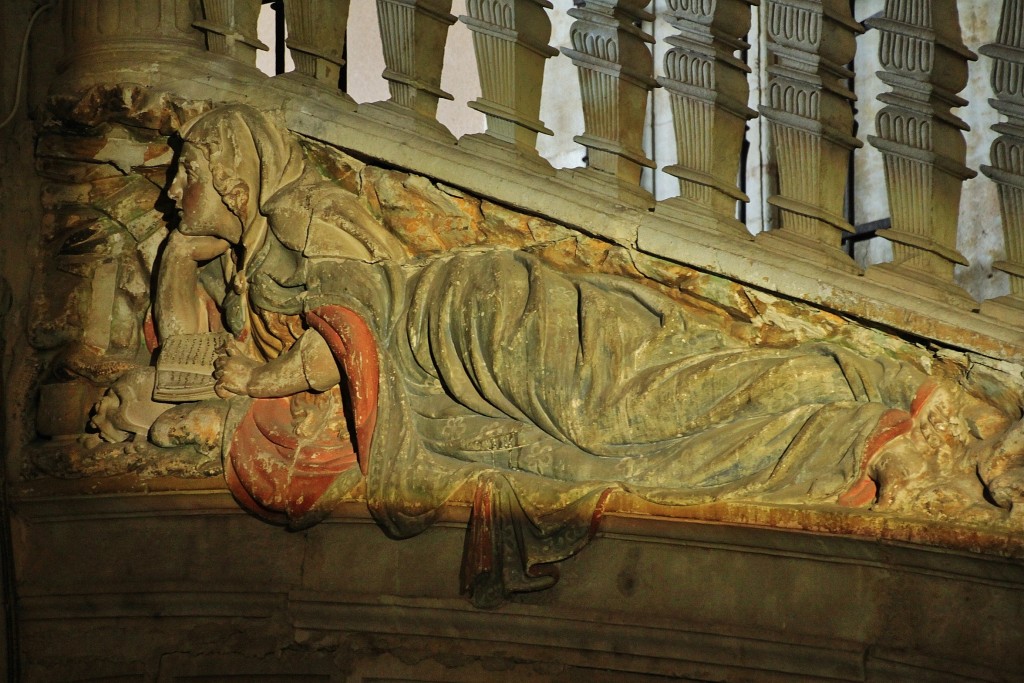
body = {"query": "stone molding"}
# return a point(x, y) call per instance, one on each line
point(786, 603)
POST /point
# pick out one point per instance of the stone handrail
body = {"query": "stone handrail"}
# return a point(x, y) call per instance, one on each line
point(809, 115)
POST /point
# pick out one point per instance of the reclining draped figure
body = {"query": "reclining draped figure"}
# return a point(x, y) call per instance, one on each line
point(532, 391)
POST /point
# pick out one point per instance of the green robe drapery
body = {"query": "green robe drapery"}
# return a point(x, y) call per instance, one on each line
point(539, 389)
point(548, 389)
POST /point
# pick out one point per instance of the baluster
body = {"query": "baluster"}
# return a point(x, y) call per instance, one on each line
point(922, 145)
point(1007, 154)
point(616, 74)
point(414, 33)
point(316, 38)
point(810, 116)
point(230, 27)
point(707, 87)
point(510, 39)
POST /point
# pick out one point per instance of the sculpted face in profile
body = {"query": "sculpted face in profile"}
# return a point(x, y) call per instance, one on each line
point(202, 208)
point(491, 375)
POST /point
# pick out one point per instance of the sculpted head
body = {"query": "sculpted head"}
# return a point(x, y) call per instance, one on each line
point(234, 159)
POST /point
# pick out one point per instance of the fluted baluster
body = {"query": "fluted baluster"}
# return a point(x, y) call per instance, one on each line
point(414, 33)
point(810, 116)
point(921, 142)
point(707, 87)
point(316, 38)
point(230, 27)
point(616, 74)
point(510, 39)
point(1007, 154)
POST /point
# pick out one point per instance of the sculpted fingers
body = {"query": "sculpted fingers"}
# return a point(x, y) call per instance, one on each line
point(233, 373)
point(222, 392)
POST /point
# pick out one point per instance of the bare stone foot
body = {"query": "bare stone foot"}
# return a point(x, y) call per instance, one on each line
point(197, 424)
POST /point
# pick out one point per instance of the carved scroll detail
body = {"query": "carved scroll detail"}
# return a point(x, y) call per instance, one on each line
point(811, 119)
point(708, 90)
point(230, 27)
point(920, 139)
point(1007, 153)
point(616, 74)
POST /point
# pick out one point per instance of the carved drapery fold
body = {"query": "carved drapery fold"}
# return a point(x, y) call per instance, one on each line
point(510, 39)
point(1007, 153)
point(616, 74)
point(414, 33)
point(707, 87)
point(230, 27)
point(921, 140)
point(91, 25)
point(810, 118)
point(316, 38)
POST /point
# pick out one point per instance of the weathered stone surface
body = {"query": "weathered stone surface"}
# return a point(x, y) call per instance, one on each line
point(455, 253)
point(433, 218)
point(651, 597)
point(340, 274)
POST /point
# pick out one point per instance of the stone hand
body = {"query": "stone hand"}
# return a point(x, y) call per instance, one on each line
point(233, 373)
point(183, 247)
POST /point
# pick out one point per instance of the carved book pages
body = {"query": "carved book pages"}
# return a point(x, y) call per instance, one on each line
point(184, 370)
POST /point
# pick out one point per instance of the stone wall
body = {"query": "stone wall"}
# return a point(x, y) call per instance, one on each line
point(134, 562)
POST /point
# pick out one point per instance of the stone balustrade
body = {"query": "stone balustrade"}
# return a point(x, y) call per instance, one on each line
point(921, 140)
point(708, 91)
point(230, 27)
point(1007, 169)
point(317, 39)
point(808, 109)
point(811, 121)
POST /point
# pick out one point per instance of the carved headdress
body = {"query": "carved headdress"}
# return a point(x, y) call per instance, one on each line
point(259, 168)
point(251, 160)
point(248, 154)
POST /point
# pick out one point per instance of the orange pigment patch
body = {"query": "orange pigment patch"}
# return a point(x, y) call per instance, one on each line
point(892, 424)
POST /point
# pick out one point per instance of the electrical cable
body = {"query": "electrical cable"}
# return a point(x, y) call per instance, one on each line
point(21, 62)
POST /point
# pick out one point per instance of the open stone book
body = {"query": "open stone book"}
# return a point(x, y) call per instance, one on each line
point(184, 370)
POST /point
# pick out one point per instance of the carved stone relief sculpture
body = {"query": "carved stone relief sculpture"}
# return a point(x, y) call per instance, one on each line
point(89, 320)
point(103, 232)
point(348, 350)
